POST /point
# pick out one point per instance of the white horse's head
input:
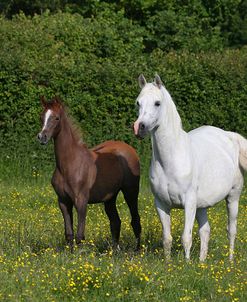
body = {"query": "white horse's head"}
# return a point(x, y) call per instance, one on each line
point(150, 103)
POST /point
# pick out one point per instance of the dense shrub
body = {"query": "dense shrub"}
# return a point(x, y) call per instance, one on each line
point(93, 64)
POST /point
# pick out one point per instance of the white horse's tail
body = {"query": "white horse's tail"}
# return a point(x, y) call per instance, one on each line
point(242, 148)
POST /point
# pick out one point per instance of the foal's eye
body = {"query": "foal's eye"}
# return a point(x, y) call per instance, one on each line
point(57, 118)
point(157, 103)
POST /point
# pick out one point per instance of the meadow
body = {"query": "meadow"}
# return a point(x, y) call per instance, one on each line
point(36, 265)
point(91, 54)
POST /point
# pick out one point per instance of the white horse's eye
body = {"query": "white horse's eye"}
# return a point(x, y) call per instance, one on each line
point(157, 103)
point(137, 104)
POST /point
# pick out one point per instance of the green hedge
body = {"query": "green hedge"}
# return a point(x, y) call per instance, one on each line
point(93, 64)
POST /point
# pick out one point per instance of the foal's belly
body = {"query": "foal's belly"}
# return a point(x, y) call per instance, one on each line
point(104, 189)
point(108, 180)
point(101, 197)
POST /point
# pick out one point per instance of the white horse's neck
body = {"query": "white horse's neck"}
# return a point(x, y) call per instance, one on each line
point(169, 136)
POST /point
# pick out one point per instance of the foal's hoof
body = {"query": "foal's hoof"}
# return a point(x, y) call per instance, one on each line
point(70, 245)
point(138, 245)
point(79, 241)
point(137, 249)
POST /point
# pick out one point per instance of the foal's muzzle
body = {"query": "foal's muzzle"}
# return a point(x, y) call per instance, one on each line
point(43, 138)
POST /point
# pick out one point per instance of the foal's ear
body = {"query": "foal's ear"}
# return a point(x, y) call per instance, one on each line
point(142, 81)
point(157, 81)
point(56, 99)
point(43, 101)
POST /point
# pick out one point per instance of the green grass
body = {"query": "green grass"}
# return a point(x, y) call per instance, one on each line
point(36, 265)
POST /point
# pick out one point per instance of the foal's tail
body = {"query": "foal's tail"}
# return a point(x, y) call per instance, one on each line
point(242, 149)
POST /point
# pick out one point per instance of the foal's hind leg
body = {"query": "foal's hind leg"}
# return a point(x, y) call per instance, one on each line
point(115, 222)
point(131, 197)
point(232, 201)
point(204, 231)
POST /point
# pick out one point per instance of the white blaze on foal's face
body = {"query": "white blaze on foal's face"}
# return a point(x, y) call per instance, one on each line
point(46, 118)
point(44, 134)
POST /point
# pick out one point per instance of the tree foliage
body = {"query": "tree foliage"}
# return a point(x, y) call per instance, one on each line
point(170, 25)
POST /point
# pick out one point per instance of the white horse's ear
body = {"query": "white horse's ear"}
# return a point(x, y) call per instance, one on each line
point(157, 81)
point(142, 81)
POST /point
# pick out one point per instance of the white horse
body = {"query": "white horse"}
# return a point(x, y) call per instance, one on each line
point(192, 170)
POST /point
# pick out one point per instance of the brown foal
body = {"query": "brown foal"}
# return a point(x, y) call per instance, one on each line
point(85, 175)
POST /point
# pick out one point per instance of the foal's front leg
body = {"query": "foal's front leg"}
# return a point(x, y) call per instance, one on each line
point(164, 215)
point(81, 207)
point(66, 207)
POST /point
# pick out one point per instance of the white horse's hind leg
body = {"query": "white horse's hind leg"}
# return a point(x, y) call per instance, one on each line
point(164, 215)
point(204, 231)
point(232, 201)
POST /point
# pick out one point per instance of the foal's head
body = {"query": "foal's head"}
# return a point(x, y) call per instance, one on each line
point(50, 118)
point(150, 104)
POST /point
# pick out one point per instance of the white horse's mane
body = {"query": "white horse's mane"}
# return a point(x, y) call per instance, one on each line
point(171, 105)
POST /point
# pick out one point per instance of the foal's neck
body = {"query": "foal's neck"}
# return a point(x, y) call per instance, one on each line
point(66, 143)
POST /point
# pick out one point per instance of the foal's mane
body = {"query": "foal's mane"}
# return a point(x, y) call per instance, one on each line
point(56, 102)
point(75, 128)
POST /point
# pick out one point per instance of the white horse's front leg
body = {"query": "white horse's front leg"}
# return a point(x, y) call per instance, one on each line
point(164, 215)
point(204, 231)
point(190, 212)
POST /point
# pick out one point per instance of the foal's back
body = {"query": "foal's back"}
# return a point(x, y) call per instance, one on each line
point(117, 167)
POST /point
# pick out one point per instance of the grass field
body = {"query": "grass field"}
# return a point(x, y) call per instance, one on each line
point(35, 264)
